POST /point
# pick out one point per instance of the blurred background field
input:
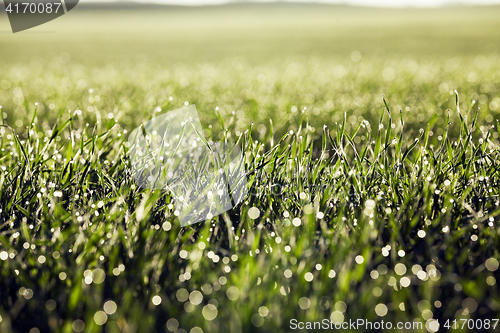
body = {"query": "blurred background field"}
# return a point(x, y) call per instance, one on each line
point(264, 60)
point(259, 33)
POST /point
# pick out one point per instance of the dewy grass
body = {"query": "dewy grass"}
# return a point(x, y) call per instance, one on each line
point(389, 212)
point(393, 227)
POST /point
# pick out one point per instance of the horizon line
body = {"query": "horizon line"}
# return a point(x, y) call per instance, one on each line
point(353, 3)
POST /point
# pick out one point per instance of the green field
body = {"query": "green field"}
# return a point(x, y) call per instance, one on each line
point(371, 146)
point(257, 33)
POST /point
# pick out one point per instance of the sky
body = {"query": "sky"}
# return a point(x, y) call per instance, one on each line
point(373, 3)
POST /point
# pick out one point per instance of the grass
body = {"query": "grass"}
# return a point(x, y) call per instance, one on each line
point(375, 179)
